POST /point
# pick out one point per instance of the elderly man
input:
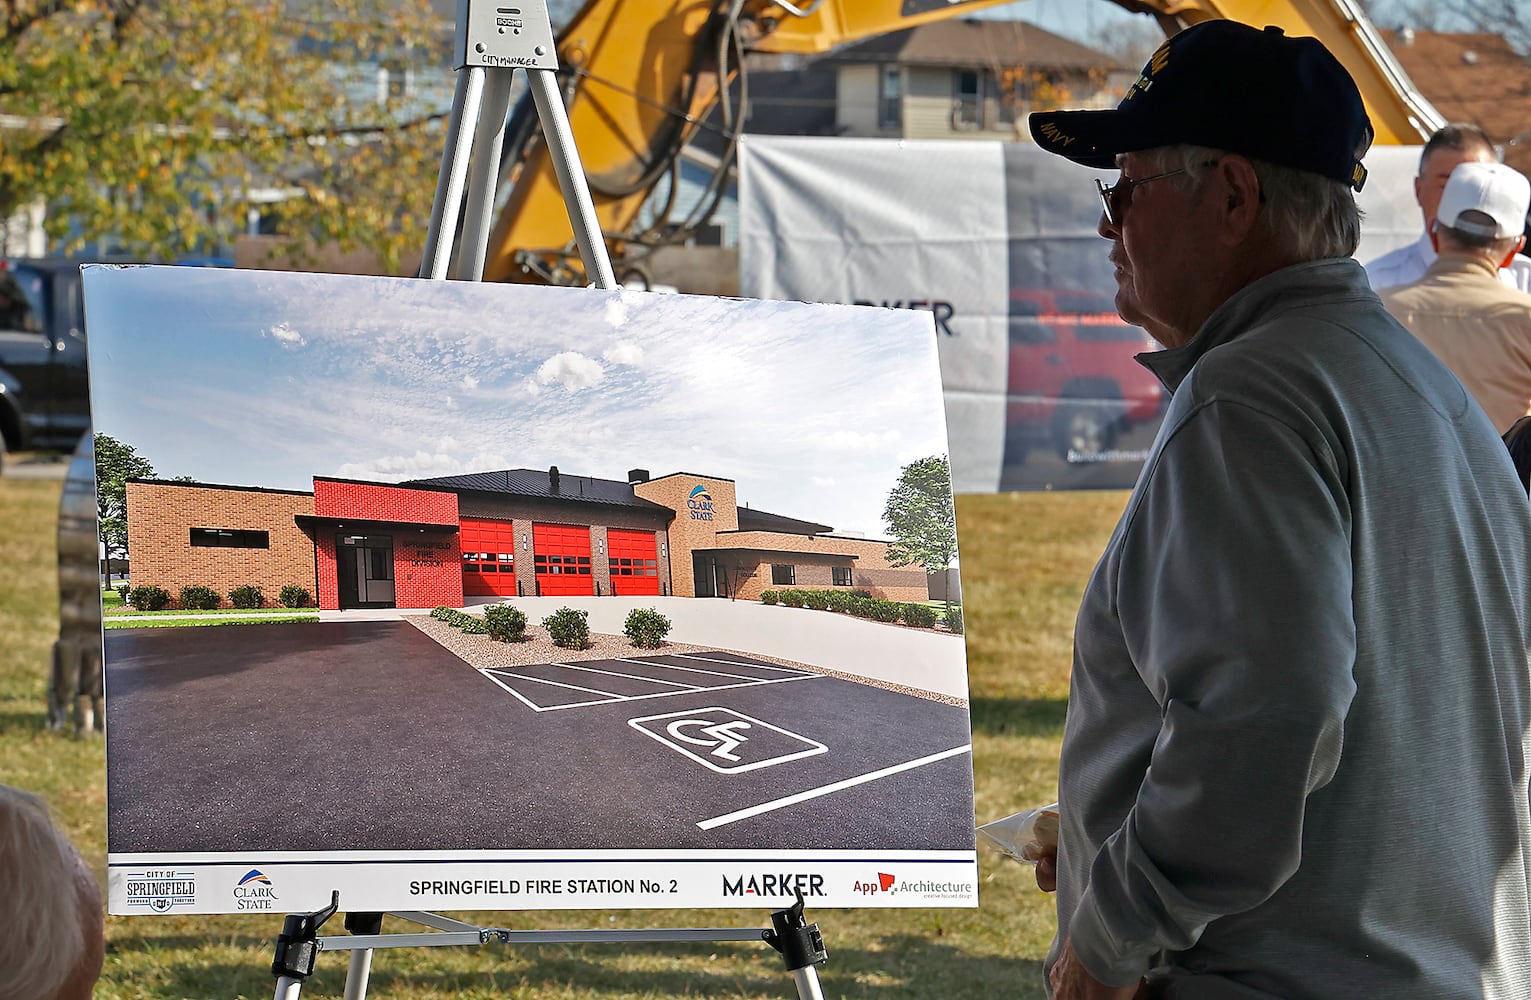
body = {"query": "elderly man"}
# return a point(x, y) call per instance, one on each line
point(1462, 312)
point(1295, 760)
point(1450, 146)
point(51, 944)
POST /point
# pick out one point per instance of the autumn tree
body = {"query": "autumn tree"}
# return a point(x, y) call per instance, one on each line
point(155, 125)
point(922, 518)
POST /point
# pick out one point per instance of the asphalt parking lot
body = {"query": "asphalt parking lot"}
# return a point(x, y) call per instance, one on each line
point(371, 736)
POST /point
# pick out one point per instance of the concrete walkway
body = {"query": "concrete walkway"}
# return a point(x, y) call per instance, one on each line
point(917, 658)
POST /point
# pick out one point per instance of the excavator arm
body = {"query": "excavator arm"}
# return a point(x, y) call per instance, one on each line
point(640, 77)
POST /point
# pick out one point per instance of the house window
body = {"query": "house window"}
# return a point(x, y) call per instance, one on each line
point(230, 538)
point(967, 111)
point(890, 106)
point(841, 575)
point(783, 574)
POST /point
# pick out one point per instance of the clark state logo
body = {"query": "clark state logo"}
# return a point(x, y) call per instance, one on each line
point(255, 891)
point(700, 502)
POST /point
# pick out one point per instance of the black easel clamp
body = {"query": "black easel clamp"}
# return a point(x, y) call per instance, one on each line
point(799, 942)
point(297, 946)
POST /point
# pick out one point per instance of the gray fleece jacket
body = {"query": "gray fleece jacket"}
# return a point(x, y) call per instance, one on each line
point(1295, 761)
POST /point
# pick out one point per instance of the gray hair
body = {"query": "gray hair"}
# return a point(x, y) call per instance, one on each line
point(1308, 215)
point(42, 937)
point(1497, 247)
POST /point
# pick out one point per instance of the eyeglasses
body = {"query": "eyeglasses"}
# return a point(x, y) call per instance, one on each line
point(1115, 199)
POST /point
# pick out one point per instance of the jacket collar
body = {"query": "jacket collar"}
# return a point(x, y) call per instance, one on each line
point(1333, 279)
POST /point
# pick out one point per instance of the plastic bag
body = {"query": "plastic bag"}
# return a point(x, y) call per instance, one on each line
point(1026, 836)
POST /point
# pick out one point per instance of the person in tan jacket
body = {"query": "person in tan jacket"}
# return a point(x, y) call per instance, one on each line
point(1460, 309)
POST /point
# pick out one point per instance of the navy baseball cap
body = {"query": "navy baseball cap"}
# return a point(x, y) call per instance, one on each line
point(1227, 85)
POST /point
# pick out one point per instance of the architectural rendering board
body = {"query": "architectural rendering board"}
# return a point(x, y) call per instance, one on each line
point(396, 459)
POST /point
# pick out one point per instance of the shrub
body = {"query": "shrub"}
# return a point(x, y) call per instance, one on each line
point(768, 597)
point(860, 592)
point(792, 598)
point(837, 600)
point(442, 613)
point(505, 623)
point(149, 598)
point(294, 596)
point(472, 625)
point(954, 618)
point(569, 629)
point(122, 591)
point(919, 615)
point(199, 598)
point(815, 599)
point(248, 596)
point(646, 627)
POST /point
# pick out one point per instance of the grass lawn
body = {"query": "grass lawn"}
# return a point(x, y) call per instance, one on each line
point(1024, 562)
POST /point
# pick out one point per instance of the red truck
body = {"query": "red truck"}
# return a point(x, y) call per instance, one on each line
point(1074, 384)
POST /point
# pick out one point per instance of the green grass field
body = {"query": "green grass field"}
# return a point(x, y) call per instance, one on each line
point(1025, 558)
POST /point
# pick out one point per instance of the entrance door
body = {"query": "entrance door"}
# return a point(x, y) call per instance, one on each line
point(634, 560)
point(561, 557)
point(364, 567)
point(709, 577)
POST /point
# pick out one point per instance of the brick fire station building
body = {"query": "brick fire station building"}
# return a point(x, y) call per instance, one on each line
point(516, 532)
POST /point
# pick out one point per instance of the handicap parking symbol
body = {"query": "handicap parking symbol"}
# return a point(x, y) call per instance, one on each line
point(726, 741)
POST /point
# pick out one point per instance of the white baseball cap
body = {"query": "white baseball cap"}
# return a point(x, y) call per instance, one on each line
point(1485, 199)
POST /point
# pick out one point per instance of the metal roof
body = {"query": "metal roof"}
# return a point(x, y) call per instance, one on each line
point(759, 520)
point(539, 483)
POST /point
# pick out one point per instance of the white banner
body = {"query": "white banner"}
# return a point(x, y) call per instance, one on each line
point(998, 240)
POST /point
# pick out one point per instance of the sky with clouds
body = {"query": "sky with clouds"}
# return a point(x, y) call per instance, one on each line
point(255, 378)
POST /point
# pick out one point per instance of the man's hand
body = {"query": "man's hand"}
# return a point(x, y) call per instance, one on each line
point(1071, 981)
point(1047, 871)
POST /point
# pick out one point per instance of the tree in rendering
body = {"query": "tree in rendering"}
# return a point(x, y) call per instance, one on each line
point(116, 463)
point(922, 518)
point(156, 126)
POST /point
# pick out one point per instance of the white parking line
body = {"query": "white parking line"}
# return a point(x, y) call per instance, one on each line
point(813, 793)
point(631, 677)
point(614, 699)
point(697, 670)
point(735, 663)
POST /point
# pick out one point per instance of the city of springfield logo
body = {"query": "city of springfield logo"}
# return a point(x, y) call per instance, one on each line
point(889, 885)
point(255, 891)
point(784, 885)
point(700, 502)
point(161, 890)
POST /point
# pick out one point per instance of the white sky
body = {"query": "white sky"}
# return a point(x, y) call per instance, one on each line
point(257, 378)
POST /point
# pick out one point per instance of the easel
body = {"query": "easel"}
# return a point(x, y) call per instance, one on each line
point(491, 43)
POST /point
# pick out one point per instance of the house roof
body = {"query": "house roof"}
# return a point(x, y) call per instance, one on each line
point(758, 520)
point(539, 483)
point(1472, 77)
point(975, 43)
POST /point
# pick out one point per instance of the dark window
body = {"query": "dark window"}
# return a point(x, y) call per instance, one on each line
point(841, 575)
point(783, 575)
point(890, 106)
point(230, 538)
point(968, 99)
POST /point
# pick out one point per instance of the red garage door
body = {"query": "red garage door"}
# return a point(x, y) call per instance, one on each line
point(488, 558)
point(634, 558)
point(562, 560)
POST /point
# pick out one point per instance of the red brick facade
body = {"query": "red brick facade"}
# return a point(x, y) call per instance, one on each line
point(342, 498)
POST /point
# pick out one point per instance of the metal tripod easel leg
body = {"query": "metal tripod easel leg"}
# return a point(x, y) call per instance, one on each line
point(493, 42)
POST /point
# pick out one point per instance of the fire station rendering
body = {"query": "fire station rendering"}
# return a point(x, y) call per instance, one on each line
point(456, 540)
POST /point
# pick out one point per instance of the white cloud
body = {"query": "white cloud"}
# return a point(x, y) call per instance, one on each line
point(844, 440)
point(824, 482)
point(392, 468)
point(470, 381)
point(616, 312)
point(572, 370)
point(284, 334)
point(625, 353)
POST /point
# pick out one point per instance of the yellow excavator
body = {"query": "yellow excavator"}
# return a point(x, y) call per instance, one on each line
point(640, 77)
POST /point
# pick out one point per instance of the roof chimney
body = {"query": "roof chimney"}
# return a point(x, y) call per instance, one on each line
point(553, 478)
point(637, 476)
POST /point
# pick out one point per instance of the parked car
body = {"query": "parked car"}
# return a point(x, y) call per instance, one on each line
point(1074, 384)
point(44, 392)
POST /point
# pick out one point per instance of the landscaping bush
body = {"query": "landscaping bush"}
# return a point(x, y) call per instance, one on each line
point(442, 613)
point(919, 615)
point(860, 592)
point(505, 623)
point(768, 597)
point(149, 598)
point(792, 598)
point(875, 608)
point(294, 596)
point(954, 618)
point(473, 625)
point(837, 600)
point(646, 627)
point(122, 591)
point(818, 600)
point(569, 629)
point(199, 598)
point(248, 596)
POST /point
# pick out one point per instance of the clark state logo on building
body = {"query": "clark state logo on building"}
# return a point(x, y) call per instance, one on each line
point(700, 502)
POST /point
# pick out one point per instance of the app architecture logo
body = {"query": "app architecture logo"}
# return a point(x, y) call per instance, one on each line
point(255, 891)
point(161, 890)
point(891, 885)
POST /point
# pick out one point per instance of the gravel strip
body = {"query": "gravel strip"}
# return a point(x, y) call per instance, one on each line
point(482, 652)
